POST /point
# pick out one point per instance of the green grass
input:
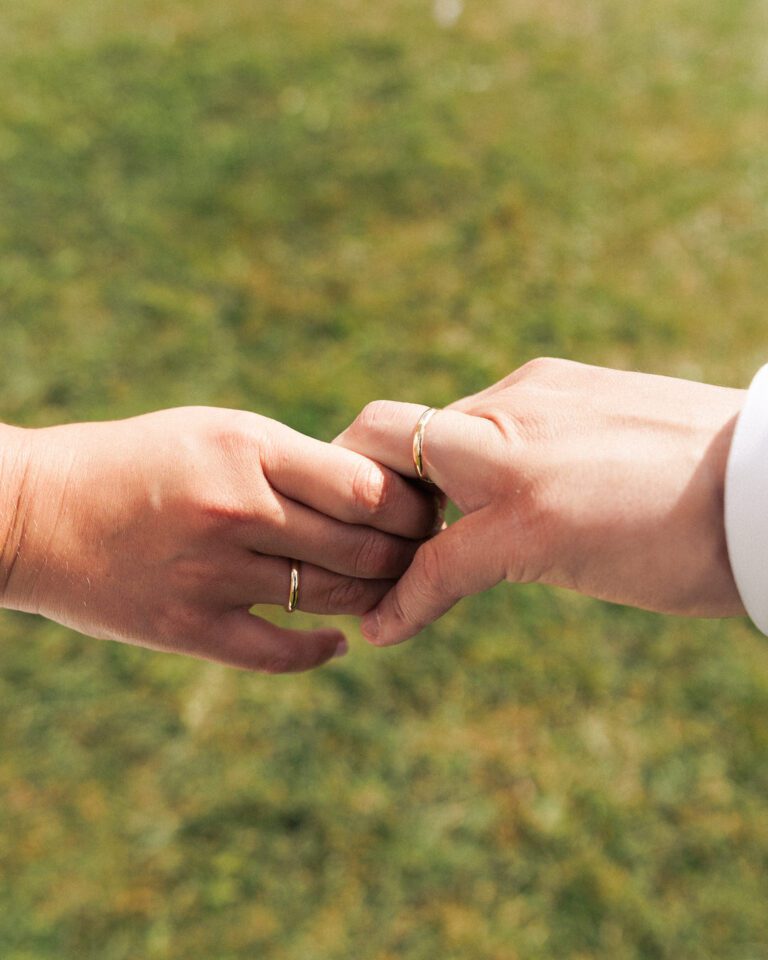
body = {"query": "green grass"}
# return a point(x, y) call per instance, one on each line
point(296, 207)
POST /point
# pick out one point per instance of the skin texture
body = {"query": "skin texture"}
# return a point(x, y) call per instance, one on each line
point(605, 482)
point(163, 531)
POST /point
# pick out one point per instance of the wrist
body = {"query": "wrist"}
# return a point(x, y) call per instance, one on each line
point(15, 461)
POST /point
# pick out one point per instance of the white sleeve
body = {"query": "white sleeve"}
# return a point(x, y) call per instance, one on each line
point(746, 502)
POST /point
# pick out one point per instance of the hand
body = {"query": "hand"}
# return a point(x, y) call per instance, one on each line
point(165, 529)
point(606, 482)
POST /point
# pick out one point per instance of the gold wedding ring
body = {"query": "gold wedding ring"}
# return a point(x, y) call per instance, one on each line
point(293, 593)
point(418, 443)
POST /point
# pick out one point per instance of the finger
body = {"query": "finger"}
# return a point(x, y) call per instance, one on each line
point(456, 446)
point(293, 530)
point(260, 579)
point(241, 640)
point(346, 485)
point(464, 559)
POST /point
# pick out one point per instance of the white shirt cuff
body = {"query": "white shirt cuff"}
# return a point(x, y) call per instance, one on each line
point(746, 502)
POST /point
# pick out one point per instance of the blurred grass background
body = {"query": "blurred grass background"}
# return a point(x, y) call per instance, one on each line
point(296, 207)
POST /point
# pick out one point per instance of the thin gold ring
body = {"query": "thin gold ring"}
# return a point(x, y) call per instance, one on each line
point(418, 444)
point(293, 592)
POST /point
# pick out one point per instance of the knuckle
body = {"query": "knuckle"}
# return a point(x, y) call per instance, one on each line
point(372, 489)
point(542, 364)
point(538, 367)
point(347, 596)
point(237, 440)
point(276, 455)
point(374, 416)
point(547, 371)
point(373, 557)
point(401, 612)
point(408, 607)
point(432, 573)
point(233, 447)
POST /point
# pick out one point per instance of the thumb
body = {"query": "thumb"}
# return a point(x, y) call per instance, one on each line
point(464, 559)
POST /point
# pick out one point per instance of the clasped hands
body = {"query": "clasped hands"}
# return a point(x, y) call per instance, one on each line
point(165, 529)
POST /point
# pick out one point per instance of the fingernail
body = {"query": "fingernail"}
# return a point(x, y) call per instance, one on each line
point(341, 650)
point(371, 626)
